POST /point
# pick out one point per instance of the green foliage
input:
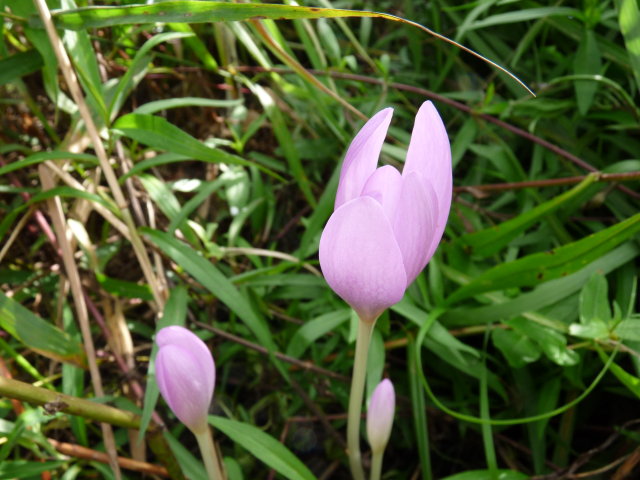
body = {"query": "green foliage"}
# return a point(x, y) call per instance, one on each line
point(506, 354)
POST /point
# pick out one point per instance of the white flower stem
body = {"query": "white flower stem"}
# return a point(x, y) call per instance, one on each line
point(209, 454)
point(376, 465)
point(356, 396)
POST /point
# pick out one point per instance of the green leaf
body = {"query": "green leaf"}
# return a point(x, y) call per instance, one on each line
point(37, 334)
point(586, 62)
point(595, 312)
point(189, 12)
point(489, 241)
point(26, 469)
point(541, 267)
point(124, 289)
point(158, 133)
point(137, 67)
point(213, 280)
point(516, 347)
point(264, 447)
point(629, 19)
point(190, 465)
point(543, 296)
point(551, 342)
point(628, 329)
point(169, 103)
point(524, 15)
point(44, 156)
point(314, 329)
point(488, 475)
point(630, 381)
point(19, 65)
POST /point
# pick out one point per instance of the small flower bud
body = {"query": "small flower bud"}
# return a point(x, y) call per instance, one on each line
point(186, 375)
point(380, 415)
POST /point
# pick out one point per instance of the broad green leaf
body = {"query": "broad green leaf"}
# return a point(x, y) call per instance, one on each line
point(314, 329)
point(489, 241)
point(551, 342)
point(595, 312)
point(586, 62)
point(264, 447)
point(516, 347)
point(156, 132)
point(37, 334)
point(629, 19)
point(19, 65)
point(540, 267)
point(213, 280)
point(628, 329)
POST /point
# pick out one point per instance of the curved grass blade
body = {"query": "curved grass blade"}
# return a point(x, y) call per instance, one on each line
point(541, 267)
point(204, 12)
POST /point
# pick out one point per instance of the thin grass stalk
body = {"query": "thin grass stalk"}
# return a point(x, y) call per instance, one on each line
point(60, 227)
point(110, 176)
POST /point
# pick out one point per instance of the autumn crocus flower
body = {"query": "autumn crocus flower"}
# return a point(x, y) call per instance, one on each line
point(386, 225)
point(186, 375)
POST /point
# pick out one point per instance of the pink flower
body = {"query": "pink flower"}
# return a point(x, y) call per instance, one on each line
point(186, 375)
point(380, 415)
point(386, 225)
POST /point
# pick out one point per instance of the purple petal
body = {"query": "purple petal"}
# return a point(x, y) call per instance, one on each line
point(414, 223)
point(380, 415)
point(384, 186)
point(362, 157)
point(430, 154)
point(360, 258)
point(185, 372)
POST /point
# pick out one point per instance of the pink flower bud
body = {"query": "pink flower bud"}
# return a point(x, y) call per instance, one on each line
point(380, 415)
point(186, 375)
point(386, 225)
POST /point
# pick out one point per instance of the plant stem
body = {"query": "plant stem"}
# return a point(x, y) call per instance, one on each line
point(209, 454)
point(355, 399)
point(376, 465)
point(68, 404)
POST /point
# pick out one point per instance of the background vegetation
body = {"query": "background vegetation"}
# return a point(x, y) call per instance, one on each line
point(225, 139)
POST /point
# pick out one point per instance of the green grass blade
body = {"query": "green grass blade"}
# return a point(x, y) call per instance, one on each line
point(213, 280)
point(541, 267)
point(264, 447)
point(38, 334)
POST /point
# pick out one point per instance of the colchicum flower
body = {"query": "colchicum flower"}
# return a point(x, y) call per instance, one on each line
point(186, 375)
point(386, 225)
point(380, 415)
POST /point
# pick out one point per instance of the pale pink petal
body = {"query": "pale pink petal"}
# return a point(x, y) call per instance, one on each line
point(414, 223)
point(360, 258)
point(384, 186)
point(430, 154)
point(185, 372)
point(380, 415)
point(361, 159)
